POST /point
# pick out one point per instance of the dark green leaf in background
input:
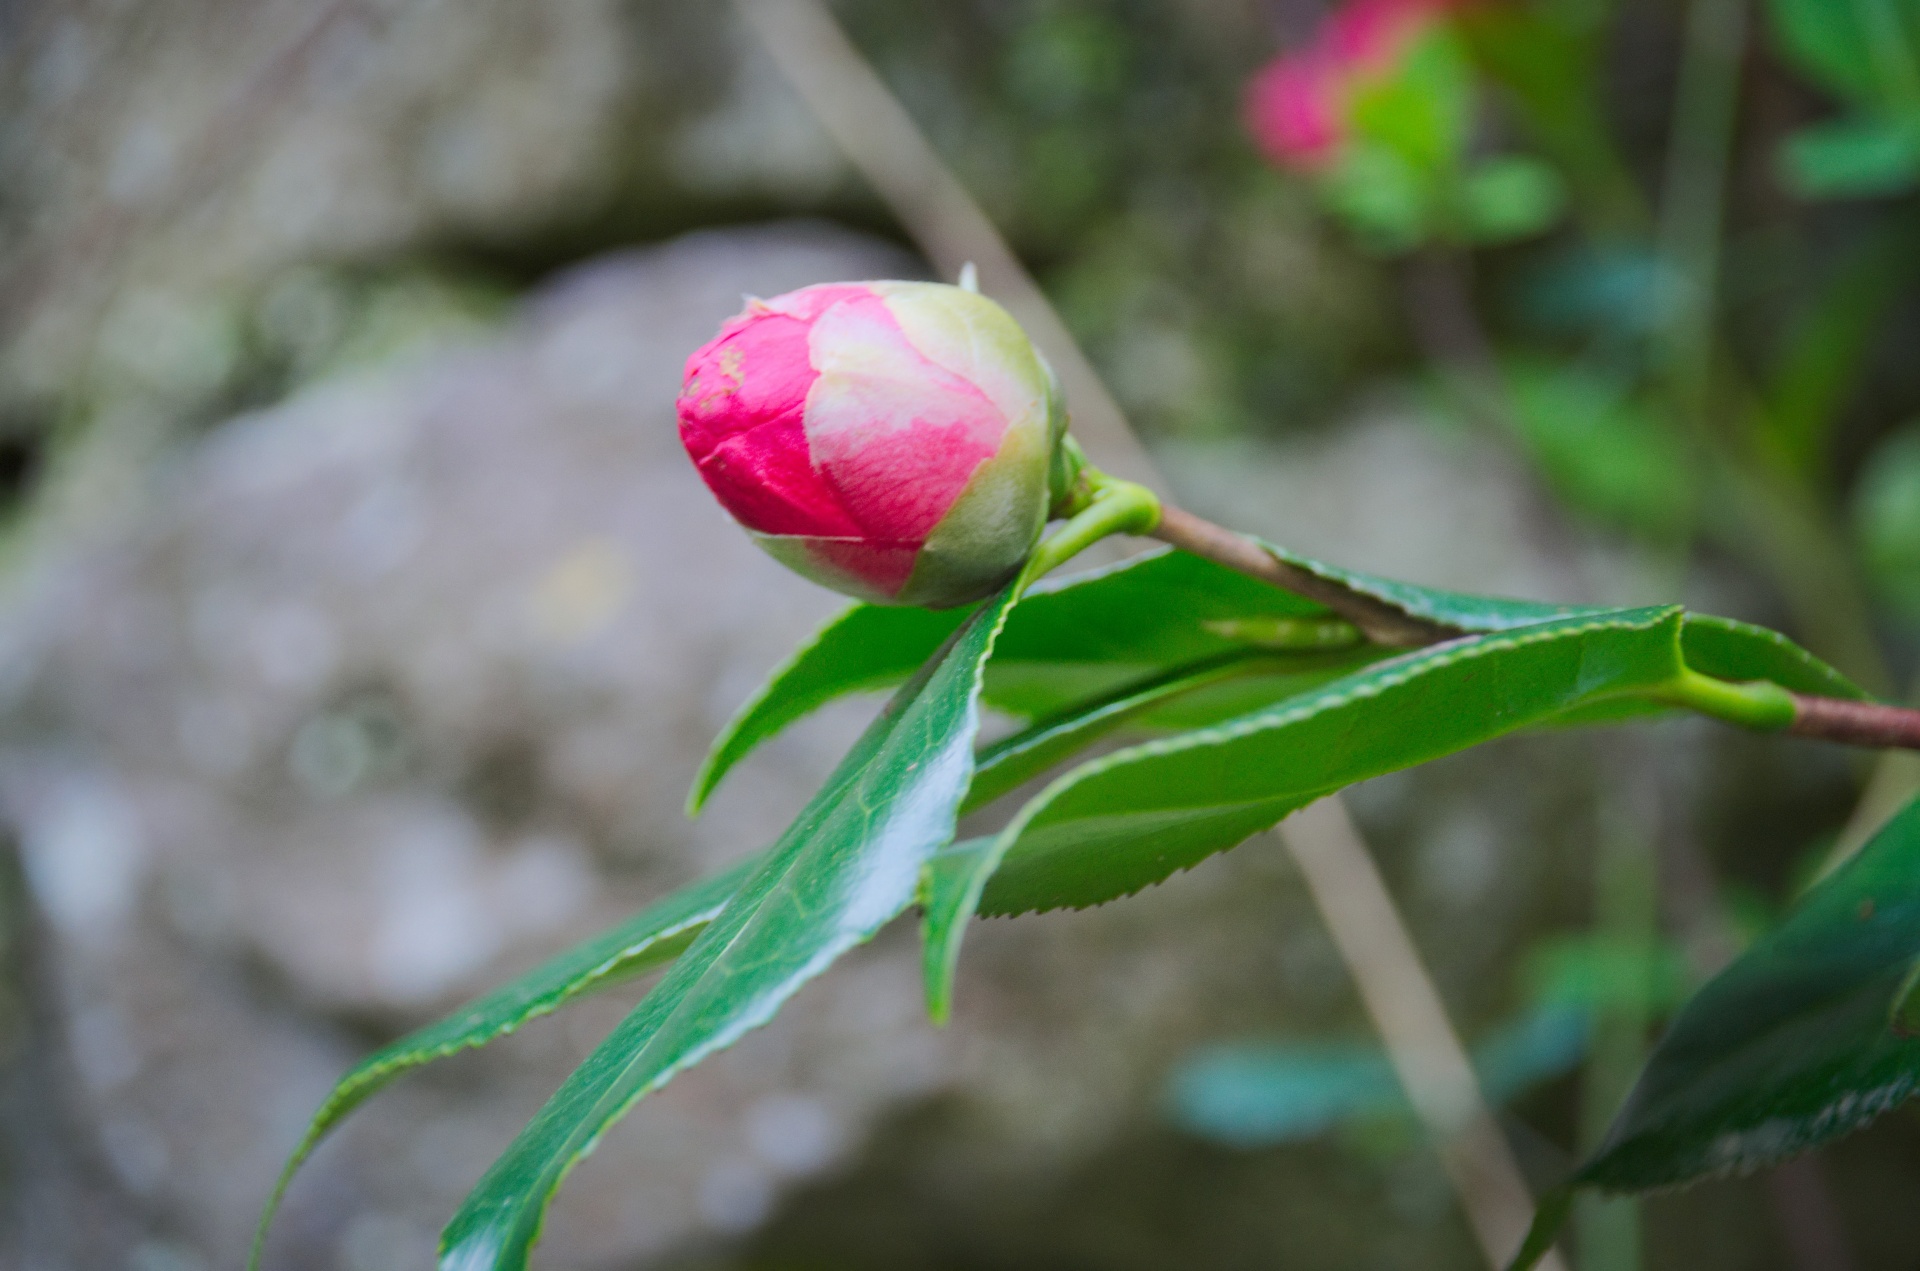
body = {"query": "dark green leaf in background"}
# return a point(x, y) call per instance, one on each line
point(1600, 449)
point(1794, 1044)
point(1886, 518)
point(1831, 344)
point(1863, 50)
point(1511, 197)
point(1852, 158)
point(1253, 1094)
point(851, 861)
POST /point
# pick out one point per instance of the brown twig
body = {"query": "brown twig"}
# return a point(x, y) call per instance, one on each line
point(1421, 1044)
point(1377, 620)
point(1873, 724)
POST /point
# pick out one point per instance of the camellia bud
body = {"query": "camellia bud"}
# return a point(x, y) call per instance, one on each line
point(891, 440)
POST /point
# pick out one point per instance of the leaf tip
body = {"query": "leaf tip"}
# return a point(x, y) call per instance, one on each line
point(703, 783)
point(1548, 1218)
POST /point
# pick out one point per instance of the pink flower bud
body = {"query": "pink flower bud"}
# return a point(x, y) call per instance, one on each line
point(1297, 105)
point(890, 440)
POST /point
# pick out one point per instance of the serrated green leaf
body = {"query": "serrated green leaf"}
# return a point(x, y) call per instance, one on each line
point(1121, 822)
point(1452, 609)
point(1254, 677)
point(955, 879)
point(1793, 1044)
point(949, 891)
point(1030, 752)
point(651, 938)
point(1728, 650)
point(1731, 650)
point(850, 862)
point(863, 648)
point(1070, 638)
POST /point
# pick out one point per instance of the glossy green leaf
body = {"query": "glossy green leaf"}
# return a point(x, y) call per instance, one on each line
point(1731, 650)
point(1070, 637)
point(1253, 678)
point(1123, 821)
point(864, 648)
point(1076, 637)
point(1027, 754)
point(850, 862)
point(1795, 1043)
point(651, 938)
point(949, 893)
point(1453, 609)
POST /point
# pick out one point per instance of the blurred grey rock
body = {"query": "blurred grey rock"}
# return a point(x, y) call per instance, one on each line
point(170, 163)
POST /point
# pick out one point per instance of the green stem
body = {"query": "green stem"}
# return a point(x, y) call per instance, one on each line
point(1113, 506)
point(1757, 704)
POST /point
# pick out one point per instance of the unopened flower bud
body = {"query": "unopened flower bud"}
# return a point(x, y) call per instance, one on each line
point(891, 440)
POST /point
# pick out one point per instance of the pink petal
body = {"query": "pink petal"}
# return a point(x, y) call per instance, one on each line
point(741, 420)
point(896, 436)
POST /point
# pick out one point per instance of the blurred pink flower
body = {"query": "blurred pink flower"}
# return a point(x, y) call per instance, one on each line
point(890, 440)
point(1296, 106)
